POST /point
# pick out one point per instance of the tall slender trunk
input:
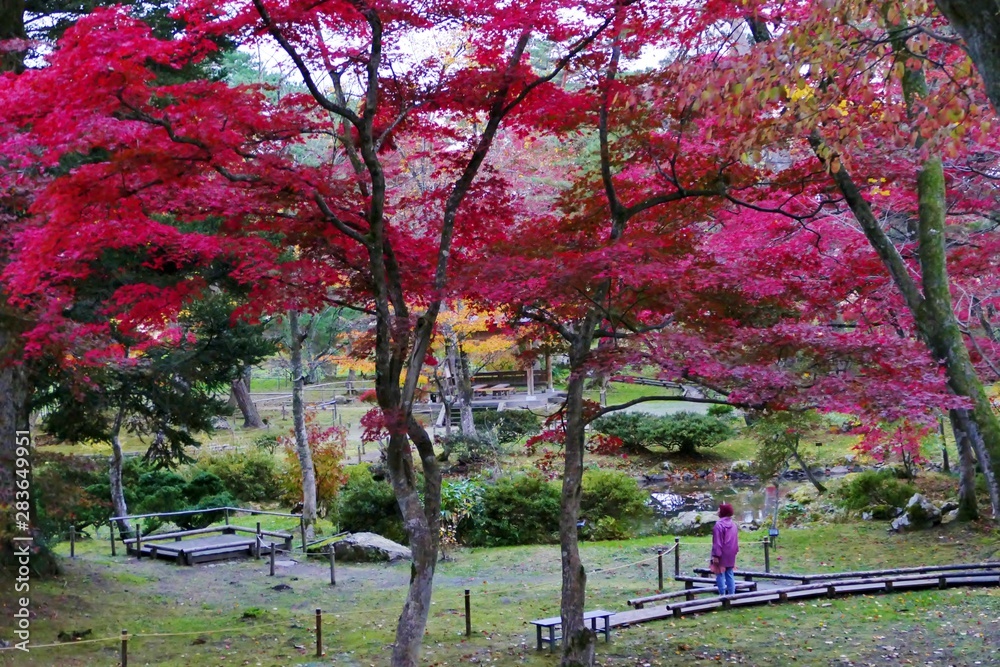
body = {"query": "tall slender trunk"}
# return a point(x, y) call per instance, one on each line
point(968, 505)
point(578, 639)
point(802, 464)
point(299, 426)
point(465, 392)
point(945, 465)
point(13, 418)
point(13, 385)
point(115, 474)
point(241, 393)
point(423, 526)
point(930, 301)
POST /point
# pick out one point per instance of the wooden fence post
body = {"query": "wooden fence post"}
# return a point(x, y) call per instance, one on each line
point(767, 556)
point(659, 569)
point(138, 541)
point(72, 541)
point(333, 566)
point(124, 655)
point(677, 557)
point(468, 614)
point(302, 529)
point(111, 525)
point(319, 633)
point(272, 559)
point(227, 516)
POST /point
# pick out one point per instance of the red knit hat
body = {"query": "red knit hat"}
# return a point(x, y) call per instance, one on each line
point(725, 509)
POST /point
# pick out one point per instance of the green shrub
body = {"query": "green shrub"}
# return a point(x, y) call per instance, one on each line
point(874, 488)
point(192, 521)
point(369, 505)
point(634, 429)
point(612, 504)
point(470, 448)
point(203, 484)
point(267, 442)
point(250, 476)
point(609, 528)
point(517, 509)
point(508, 425)
point(684, 432)
point(718, 410)
point(62, 486)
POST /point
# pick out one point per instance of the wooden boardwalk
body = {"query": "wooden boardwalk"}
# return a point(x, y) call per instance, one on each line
point(831, 586)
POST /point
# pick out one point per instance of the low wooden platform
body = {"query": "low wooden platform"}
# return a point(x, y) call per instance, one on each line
point(207, 544)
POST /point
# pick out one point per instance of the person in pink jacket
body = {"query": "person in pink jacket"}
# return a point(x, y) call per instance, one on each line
point(725, 546)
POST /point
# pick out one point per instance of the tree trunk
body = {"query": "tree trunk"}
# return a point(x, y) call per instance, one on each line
point(241, 392)
point(978, 22)
point(12, 27)
point(115, 475)
point(802, 464)
point(968, 505)
point(465, 392)
point(13, 418)
point(13, 385)
point(945, 465)
point(302, 450)
point(938, 319)
point(422, 521)
point(578, 639)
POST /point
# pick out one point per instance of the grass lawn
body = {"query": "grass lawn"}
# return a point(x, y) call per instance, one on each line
point(231, 614)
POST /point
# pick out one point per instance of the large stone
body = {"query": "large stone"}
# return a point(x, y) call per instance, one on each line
point(920, 513)
point(370, 548)
point(803, 494)
point(742, 467)
point(692, 523)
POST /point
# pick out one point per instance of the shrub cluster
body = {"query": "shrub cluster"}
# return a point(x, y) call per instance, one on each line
point(367, 504)
point(523, 508)
point(683, 432)
point(509, 426)
point(250, 476)
point(879, 491)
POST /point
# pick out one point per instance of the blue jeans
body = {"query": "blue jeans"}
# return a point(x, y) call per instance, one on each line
point(726, 582)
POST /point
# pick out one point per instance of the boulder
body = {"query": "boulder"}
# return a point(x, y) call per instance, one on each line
point(370, 548)
point(803, 494)
point(949, 517)
point(900, 524)
point(948, 506)
point(745, 467)
point(692, 523)
point(920, 513)
point(667, 466)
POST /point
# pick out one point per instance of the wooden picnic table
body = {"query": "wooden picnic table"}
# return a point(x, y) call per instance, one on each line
point(502, 389)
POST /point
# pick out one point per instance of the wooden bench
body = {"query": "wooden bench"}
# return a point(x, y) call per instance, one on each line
point(502, 389)
point(554, 623)
point(479, 389)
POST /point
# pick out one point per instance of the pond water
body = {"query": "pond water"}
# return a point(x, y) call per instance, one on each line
point(749, 502)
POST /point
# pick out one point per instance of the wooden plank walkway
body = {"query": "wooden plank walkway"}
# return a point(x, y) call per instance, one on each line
point(938, 577)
